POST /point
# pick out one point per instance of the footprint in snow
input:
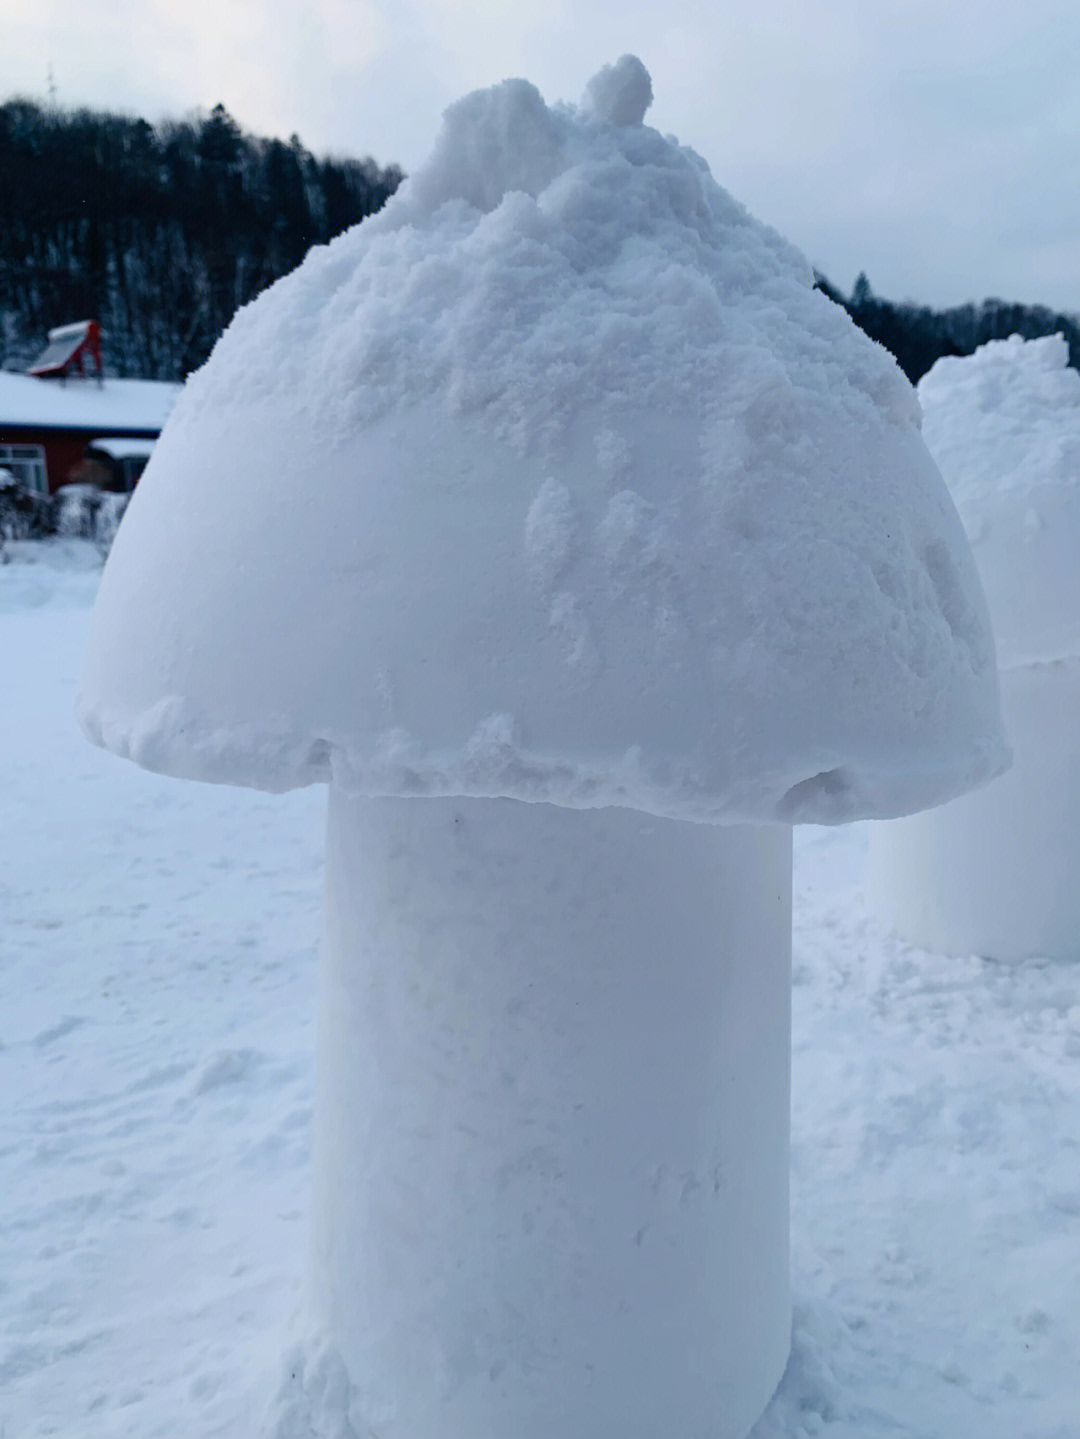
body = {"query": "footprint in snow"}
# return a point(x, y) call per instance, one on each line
point(66, 1025)
point(228, 1066)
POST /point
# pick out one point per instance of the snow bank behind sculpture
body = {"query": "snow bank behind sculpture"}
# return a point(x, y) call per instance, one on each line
point(995, 872)
point(560, 482)
point(1004, 427)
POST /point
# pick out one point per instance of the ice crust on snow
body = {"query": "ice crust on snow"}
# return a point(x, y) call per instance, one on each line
point(1004, 426)
point(556, 479)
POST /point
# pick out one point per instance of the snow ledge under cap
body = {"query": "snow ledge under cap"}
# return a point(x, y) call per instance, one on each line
point(172, 740)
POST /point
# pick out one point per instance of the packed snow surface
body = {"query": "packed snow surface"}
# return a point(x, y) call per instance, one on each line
point(157, 976)
point(1004, 426)
point(556, 479)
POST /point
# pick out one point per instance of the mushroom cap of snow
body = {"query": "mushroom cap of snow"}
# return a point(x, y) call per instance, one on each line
point(554, 480)
point(1004, 425)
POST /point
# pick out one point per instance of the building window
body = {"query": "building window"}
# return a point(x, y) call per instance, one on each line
point(27, 464)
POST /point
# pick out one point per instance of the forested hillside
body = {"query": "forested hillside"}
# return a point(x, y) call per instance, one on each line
point(158, 232)
point(917, 335)
point(162, 232)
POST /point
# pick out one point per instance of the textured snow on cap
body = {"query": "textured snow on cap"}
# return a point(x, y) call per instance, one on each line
point(557, 480)
point(1004, 426)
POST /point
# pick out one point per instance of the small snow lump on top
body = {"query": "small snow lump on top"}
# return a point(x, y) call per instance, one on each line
point(619, 93)
point(758, 602)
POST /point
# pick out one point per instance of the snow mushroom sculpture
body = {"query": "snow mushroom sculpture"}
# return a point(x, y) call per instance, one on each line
point(554, 520)
point(997, 873)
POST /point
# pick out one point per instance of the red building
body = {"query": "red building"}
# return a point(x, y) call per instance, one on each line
point(70, 350)
point(62, 423)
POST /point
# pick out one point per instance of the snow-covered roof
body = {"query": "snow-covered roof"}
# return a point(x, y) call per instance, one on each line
point(556, 480)
point(123, 449)
point(1004, 425)
point(85, 404)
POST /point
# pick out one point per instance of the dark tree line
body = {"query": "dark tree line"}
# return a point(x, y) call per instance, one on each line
point(161, 233)
point(917, 335)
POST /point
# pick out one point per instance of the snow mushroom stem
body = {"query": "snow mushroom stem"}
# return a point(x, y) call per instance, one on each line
point(552, 1134)
point(995, 872)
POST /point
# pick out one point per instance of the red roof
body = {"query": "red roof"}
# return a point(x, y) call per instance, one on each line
point(68, 347)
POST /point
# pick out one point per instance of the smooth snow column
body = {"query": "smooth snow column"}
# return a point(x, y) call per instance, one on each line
point(551, 1167)
point(997, 872)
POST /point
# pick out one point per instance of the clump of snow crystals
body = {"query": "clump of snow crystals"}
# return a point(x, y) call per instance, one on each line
point(1004, 425)
point(563, 436)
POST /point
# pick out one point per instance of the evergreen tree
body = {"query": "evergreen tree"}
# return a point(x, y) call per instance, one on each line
point(862, 293)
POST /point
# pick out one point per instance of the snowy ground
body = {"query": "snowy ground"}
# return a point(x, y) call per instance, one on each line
point(157, 973)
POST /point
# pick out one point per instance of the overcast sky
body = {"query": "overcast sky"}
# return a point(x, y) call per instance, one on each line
point(934, 145)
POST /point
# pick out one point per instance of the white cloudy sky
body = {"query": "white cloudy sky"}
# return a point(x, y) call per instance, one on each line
point(932, 143)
